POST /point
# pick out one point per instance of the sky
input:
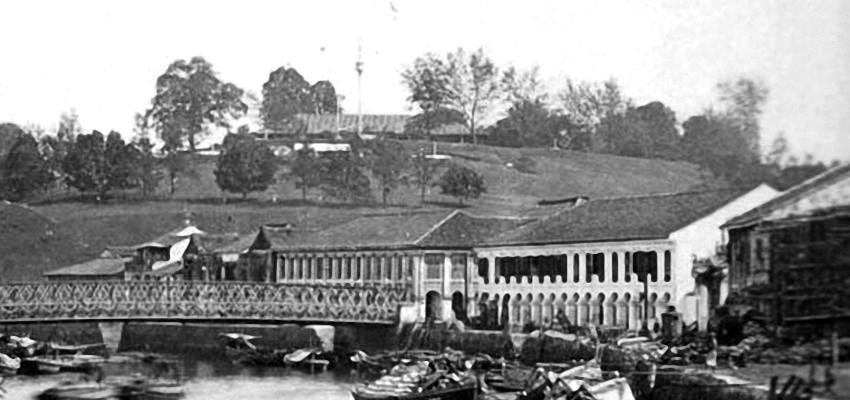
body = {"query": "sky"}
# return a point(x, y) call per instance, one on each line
point(102, 58)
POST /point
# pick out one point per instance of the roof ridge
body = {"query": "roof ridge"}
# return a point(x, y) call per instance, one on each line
point(437, 226)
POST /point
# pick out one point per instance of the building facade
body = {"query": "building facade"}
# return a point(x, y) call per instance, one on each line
point(790, 258)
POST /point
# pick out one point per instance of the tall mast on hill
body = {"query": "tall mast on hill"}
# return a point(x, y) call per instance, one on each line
point(358, 66)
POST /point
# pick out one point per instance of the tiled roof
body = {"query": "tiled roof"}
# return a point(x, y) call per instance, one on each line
point(463, 230)
point(620, 218)
point(98, 266)
point(384, 231)
point(372, 123)
point(794, 193)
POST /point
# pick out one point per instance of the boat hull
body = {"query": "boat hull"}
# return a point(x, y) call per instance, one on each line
point(458, 393)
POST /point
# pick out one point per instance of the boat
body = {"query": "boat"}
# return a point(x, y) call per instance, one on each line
point(416, 382)
point(151, 389)
point(80, 391)
point(312, 358)
point(9, 365)
point(40, 366)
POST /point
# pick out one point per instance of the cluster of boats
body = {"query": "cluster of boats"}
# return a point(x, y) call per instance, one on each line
point(452, 376)
point(240, 348)
point(23, 355)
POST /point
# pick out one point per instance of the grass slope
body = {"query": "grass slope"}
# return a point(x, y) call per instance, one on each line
point(80, 231)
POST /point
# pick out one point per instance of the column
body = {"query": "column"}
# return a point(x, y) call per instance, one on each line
point(279, 267)
point(570, 267)
point(582, 267)
point(314, 267)
point(491, 270)
point(336, 273)
point(621, 266)
point(447, 275)
point(607, 266)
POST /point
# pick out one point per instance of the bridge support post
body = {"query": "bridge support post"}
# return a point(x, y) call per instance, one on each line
point(326, 335)
point(111, 334)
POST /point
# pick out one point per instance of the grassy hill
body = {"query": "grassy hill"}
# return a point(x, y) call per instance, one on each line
point(77, 231)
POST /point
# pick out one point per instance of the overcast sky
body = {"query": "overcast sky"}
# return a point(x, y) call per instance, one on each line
point(102, 57)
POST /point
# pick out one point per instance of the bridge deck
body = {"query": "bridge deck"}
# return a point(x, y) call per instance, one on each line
point(371, 303)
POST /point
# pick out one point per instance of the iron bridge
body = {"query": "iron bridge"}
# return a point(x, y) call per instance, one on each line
point(376, 303)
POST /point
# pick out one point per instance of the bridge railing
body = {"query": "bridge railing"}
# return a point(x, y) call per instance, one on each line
point(103, 300)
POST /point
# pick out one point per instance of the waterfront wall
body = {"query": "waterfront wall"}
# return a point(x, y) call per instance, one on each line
point(65, 332)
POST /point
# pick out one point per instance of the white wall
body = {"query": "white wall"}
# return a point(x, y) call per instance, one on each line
point(701, 238)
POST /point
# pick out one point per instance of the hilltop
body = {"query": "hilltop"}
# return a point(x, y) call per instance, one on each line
point(77, 231)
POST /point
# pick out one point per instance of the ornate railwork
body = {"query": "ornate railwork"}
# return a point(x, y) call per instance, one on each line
point(195, 300)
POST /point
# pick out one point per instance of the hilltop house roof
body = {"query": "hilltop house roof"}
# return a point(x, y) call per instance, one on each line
point(421, 229)
point(372, 123)
point(790, 199)
point(620, 218)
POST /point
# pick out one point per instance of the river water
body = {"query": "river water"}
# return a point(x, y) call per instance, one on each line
point(214, 380)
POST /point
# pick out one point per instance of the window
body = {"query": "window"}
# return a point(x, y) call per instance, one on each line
point(594, 265)
point(459, 266)
point(434, 266)
point(667, 266)
point(627, 260)
point(484, 269)
point(575, 268)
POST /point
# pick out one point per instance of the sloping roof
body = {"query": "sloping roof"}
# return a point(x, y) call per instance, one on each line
point(793, 194)
point(464, 230)
point(97, 266)
point(372, 123)
point(384, 231)
point(620, 218)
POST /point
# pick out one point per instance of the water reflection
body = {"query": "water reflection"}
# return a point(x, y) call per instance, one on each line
point(213, 380)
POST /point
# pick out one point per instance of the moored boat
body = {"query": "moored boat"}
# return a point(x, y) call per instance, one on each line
point(80, 391)
point(417, 382)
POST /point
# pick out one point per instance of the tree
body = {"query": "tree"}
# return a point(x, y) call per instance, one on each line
point(587, 106)
point(147, 174)
point(24, 170)
point(744, 99)
point(121, 162)
point(423, 171)
point(468, 83)
point(176, 164)
point(388, 162)
point(305, 170)
point(285, 94)
point(718, 146)
point(426, 123)
point(647, 131)
point(189, 96)
point(342, 176)
point(244, 165)
point(324, 98)
point(85, 165)
point(461, 182)
point(9, 135)
point(530, 124)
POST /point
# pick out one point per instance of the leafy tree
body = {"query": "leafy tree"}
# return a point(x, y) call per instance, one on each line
point(647, 131)
point(423, 172)
point(85, 165)
point(426, 82)
point(587, 106)
point(24, 170)
point(244, 165)
point(324, 98)
point(9, 135)
point(388, 162)
point(342, 176)
point(177, 164)
point(530, 124)
point(744, 100)
point(121, 162)
point(285, 94)
point(468, 83)
point(69, 126)
point(461, 182)
point(717, 145)
point(146, 174)
point(305, 170)
point(188, 97)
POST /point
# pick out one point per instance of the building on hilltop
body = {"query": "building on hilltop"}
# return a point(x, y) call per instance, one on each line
point(329, 132)
point(790, 257)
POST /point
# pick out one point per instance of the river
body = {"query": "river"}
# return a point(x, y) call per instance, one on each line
point(215, 380)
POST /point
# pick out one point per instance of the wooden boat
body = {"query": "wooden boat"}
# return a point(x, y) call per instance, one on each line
point(312, 358)
point(40, 366)
point(144, 389)
point(9, 365)
point(467, 391)
point(80, 391)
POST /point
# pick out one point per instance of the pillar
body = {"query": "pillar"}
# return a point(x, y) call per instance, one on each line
point(570, 267)
point(621, 266)
point(279, 267)
point(607, 266)
point(582, 268)
point(111, 333)
point(634, 313)
point(492, 269)
point(659, 267)
point(447, 276)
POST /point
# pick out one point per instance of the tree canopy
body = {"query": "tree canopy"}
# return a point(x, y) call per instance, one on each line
point(462, 183)
point(23, 169)
point(244, 165)
point(190, 96)
point(286, 93)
